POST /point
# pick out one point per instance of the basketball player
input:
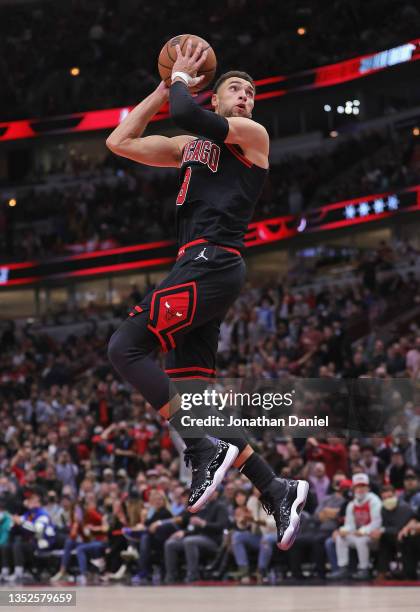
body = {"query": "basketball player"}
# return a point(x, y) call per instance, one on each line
point(223, 169)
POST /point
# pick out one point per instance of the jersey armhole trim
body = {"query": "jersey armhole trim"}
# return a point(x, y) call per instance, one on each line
point(239, 156)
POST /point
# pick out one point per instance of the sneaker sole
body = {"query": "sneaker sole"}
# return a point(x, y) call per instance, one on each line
point(231, 455)
point(291, 532)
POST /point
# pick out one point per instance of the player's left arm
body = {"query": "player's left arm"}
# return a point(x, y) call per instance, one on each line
point(251, 136)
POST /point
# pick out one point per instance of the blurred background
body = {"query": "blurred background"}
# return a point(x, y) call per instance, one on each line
point(91, 485)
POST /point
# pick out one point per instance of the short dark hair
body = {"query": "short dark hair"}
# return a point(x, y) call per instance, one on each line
point(233, 73)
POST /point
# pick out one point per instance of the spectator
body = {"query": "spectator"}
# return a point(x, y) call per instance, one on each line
point(67, 471)
point(87, 530)
point(32, 531)
point(333, 454)
point(203, 535)
point(149, 542)
point(319, 481)
point(6, 524)
point(409, 537)
point(56, 512)
point(327, 515)
point(396, 470)
point(371, 465)
point(395, 515)
point(411, 491)
point(363, 516)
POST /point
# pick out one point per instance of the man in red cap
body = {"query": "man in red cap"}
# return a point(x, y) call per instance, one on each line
point(363, 516)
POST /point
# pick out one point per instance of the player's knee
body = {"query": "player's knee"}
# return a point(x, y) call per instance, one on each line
point(122, 347)
point(117, 348)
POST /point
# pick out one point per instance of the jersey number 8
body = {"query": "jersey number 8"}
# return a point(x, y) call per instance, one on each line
point(184, 187)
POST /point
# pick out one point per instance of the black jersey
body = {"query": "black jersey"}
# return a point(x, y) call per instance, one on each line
point(218, 193)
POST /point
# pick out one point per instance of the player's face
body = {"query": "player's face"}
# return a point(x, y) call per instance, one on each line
point(235, 98)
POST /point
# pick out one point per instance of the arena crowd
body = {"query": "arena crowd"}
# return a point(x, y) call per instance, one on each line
point(118, 66)
point(93, 488)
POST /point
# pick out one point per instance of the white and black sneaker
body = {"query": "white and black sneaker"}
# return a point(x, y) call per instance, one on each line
point(210, 461)
point(285, 500)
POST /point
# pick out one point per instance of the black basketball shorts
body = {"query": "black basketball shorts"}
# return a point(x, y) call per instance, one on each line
point(185, 311)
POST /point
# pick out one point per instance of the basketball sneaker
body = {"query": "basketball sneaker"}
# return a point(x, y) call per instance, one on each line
point(285, 500)
point(209, 461)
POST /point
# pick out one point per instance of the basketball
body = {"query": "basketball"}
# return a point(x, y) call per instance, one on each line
point(167, 58)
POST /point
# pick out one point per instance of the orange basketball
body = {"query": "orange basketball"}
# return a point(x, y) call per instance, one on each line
point(167, 59)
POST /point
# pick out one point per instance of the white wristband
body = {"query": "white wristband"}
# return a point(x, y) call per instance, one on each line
point(182, 75)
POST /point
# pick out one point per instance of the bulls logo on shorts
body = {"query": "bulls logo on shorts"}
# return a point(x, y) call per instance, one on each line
point(172, 309)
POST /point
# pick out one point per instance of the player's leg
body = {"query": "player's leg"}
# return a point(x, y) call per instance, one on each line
point(194, 358)
point(164, 317)
point(191, 367)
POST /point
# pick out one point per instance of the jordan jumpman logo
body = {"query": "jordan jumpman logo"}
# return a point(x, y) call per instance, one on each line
point(202, 255)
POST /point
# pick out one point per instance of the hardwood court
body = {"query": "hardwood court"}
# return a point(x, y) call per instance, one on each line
point(245, 599)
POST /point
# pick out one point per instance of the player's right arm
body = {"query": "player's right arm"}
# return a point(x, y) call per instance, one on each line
point(127, 140)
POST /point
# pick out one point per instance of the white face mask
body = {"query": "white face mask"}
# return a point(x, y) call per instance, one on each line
point(360, 497)
point(390, 503)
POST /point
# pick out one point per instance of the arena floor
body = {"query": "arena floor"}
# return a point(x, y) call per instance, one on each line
point(243, 599)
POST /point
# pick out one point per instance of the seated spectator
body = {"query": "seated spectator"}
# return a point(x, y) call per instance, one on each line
point(303, 544)
point(58, 516)
point(411, 491)
point(345, 490)
point(87, 535)
point(395, 515)
point(327, 516)
point(409, 537)
point(33, 531)
point(363, 515)
point(203, 535)
point(267, 525)
point(254, 531)
point(157, 512)
point(6, 523)
point(116, 516)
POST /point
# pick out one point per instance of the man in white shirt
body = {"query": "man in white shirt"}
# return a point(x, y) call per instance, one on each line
point(363, 516)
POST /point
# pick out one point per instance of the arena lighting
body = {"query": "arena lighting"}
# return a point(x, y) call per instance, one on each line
point(348, 110)
point(12, 202)
point(340, 109)
point(375, 207)
point(327, 108)
point(333, 134)
point(301, 31)
point(356, 111)
point(302, 225)
point(75, 71)
point(416, 131)
point(356, 102)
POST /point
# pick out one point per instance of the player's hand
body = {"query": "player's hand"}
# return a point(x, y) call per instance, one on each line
point(190, 62)
point(163, 90)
